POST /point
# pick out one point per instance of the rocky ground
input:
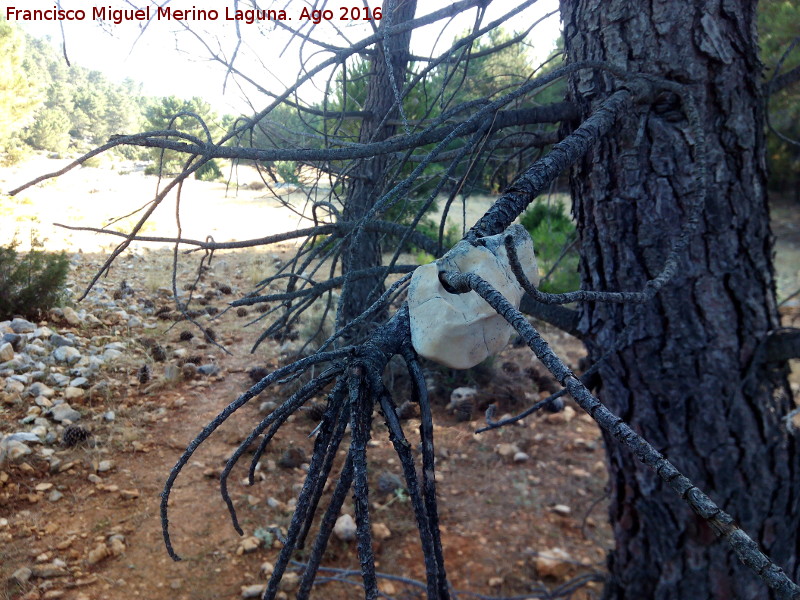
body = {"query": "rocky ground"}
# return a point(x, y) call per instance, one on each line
point(99, 399)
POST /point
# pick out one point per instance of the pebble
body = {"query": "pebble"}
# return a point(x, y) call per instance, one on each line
point(55, 496)
point(553, 562)
point(507, 451)
point(209, 369)
point(289, 581)
point(116, 546)
point(17, 341)
point(49, 570)
point(267, 406)
point(247, 545)
point(380, 531)
point(13, 450)
point(105, 465)
point(6, 352)
point(109, 354)
point(521, 457)
point(64, 412)
point(565, 416)
point(40, 389)
point(70, 316)
point(98, 554)
point(79, 382)
point(562, 509)
point(66, 354)
point(22, 575)
point(22, 326)
point(57, 340)
point(74, 393)
point(253, 591)
point(345, 528)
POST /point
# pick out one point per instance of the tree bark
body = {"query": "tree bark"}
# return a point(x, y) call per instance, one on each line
point(687, 381)
point(366, 183)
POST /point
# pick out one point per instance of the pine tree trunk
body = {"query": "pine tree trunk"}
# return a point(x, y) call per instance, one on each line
point(366, 183)
point(683, 383)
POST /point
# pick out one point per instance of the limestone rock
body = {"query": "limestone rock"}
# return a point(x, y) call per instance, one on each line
point(98, 554)
point(66, 354)
point(12, 450)
point(461, 330)
point(554, 563)
point(21, 575)
point(6, 352)
point(71, 317)
point(462, 403)
point(74, 393)
point(345, 528)
point(380, 531)
point(253, 591)
point(22, 326)
point(40, 389)
point(248, 544)
point(64, 412)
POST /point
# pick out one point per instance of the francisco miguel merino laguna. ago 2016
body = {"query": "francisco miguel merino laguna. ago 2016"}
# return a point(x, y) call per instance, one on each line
point(167, 13)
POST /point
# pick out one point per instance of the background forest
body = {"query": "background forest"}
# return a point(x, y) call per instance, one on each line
point(47, 106)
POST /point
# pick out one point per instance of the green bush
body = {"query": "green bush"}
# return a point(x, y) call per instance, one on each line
point(552, 231)
point(550, 214)
point(208, 172)
point(287, 171)
point(430, 228)
point(30, 284)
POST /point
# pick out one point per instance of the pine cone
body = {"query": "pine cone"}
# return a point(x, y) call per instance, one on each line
point(158, 353)
point(74, 435)
point(314, 411)
point(143, 374)
point(256, 374)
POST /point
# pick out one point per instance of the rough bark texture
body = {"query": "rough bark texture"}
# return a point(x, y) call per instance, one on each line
point(686, 383)
point(368, 177)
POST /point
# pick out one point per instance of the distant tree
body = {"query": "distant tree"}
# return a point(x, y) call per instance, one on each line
point(779, 39)
point(190, 116)
point(20, 94)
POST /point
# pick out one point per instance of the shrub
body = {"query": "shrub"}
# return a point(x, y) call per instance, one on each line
point(287, 171)
point(208, 172)
point(31, 284)
point(552, 232)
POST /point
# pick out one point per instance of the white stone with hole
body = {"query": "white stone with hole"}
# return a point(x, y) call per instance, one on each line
point(461, 330)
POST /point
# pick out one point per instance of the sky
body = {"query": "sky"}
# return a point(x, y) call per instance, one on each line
point(167, 58)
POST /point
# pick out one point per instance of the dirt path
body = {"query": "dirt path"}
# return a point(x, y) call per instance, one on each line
point(102, 539)
point(492, 507)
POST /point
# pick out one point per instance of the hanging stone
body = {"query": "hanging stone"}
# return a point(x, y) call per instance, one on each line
point(461, 330)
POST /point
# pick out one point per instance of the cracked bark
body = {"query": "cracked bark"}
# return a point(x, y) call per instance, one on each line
point(683, 383)
point(367, 180)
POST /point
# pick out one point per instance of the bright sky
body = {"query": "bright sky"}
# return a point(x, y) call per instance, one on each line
point(168, 59)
